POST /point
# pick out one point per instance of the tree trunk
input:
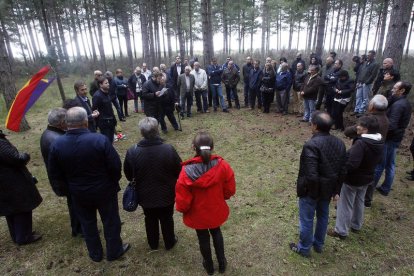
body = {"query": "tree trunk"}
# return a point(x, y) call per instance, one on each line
point(291, 26)
point(180, 32)
point(6, 40)
point(374, 46)
point(7, 81)
point(312, 17)
point(252, 28)
point(337, 25)
point(348, 25)
point(81, 33)
point(100, 34)
point(361, 26)
point(144, 29)
point(157, 32)
point(105, 10)
point(127, 34)
point(315, 36)
point(265, 17)
point(133, 36)
point(31, 36)
point(74, 31)
point(168, 28)
point(369, 28)
point(356, 27)
point(397, 30)
point(151, 42)
point(409, 36)
point(225, 27)
point(208, 48)
point(117, 32)
point(91, 40)
point(383, 25)
point(60, 32)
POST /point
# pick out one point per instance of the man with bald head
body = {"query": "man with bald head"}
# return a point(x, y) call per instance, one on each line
point(90, 168)
point(135, 83)
point(94, 86)
point(387, 67)
point(246, 74)
point(320, 178)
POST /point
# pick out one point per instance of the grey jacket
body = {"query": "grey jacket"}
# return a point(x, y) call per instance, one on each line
point(368, 71)
point(182, 85)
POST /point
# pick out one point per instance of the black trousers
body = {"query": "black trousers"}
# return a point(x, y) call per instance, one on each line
point(163, 216)
point(123, 102)
point(232, 91)
point(337, 114)
point(246, 93)
point(170, 115)
point(74, 221)
point(204, 242)
point(20, 227)
point(253, 94)
point(267, 99)
point(412, 148)
point(85, 210)
point(107, 128)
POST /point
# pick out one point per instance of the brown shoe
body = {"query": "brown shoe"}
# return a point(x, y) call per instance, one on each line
point(332, 233)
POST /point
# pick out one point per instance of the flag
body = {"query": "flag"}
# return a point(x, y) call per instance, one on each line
point(26, 97)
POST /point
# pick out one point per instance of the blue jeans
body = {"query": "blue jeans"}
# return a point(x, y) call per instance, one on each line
point(362, 98)
point(216, 90)
point(307, 209)
point(309, 109)
point(388, 163)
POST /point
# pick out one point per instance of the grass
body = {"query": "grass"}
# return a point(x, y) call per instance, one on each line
point(264, 152)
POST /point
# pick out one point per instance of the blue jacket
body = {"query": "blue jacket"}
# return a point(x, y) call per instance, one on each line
point(86, 163)
point(214, 73)
point(255, 78)
point(283, 80)
point(121, 86)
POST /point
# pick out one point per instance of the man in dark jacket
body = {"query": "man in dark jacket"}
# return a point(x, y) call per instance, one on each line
point(246, 74)
point(102, 102)
point(94, 86)
point(151, 92)
point(283, 84)
point(387, 66)
point(82, 99)
point(136, 82)
point(93, 186)
point(214, 72)
point(366, 76)
point(231, 78)
point(19, 195)
point(297, 61)
point(112, 93)
point(363, 156)
point(56, 128)
point(156, 167)
point(255, 79)
point(326, 70)
point(309, 91)
point(399, 114)
point(176, 69)
point(320, 176)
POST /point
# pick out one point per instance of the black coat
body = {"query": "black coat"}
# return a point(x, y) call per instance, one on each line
point(321, 169)
point(86, 163)
point(18, 192)
point(399, 114)
point(151, 101)
point(363, 157)
point(46, 141)
point(156, 167)
point(87, 106)
point(132, 82)
point(174, 73)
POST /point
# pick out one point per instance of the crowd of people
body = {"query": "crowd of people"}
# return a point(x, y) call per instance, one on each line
point(200, 186)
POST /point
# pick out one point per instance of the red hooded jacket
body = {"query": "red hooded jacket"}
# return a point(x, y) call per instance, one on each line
point(202, 190)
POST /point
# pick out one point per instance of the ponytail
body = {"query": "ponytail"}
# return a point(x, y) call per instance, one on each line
point(203, 144)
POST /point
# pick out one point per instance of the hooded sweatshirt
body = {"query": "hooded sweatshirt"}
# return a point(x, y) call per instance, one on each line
point(202, 190)
point(364, 155)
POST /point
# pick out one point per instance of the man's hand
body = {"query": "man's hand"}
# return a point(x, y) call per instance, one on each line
point(302, 93)
point(157, 93)
point(95, 113)
point(335, 197)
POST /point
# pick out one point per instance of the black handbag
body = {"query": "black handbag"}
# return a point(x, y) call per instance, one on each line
point(130, 196)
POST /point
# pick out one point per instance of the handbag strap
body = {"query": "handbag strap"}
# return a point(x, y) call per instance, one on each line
point(133, 182)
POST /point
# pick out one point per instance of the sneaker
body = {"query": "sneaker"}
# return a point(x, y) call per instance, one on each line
point(295, 249)
point(381, 191)
point(333, 233)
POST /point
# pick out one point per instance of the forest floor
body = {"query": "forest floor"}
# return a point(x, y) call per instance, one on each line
point(264, 151)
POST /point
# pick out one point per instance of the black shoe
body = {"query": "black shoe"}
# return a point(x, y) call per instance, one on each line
point(209, 267)
point(122, 119)
point(410, 172)
point(164, 131)
point(173, 244)
point(33, 238)
point(356, 231)
point(222, 265)
point(215, 109)
point(188, 115)
point(303, 121)
point(317, 249)
point(295, 249)
point(367, 204)
point(225, 110)
point(410, 177)
point(381, 191)
point(125, 248)
point(359, 115)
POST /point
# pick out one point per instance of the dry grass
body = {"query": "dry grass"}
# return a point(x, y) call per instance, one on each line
point(264, 152)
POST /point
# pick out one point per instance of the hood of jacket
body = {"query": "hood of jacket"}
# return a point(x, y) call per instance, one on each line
point(374, 142)
point(202, 175)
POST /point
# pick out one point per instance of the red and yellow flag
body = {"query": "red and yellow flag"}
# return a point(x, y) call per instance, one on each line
point(26, 97)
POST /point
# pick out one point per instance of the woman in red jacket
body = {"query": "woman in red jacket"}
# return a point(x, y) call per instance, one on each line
point(205, 183)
